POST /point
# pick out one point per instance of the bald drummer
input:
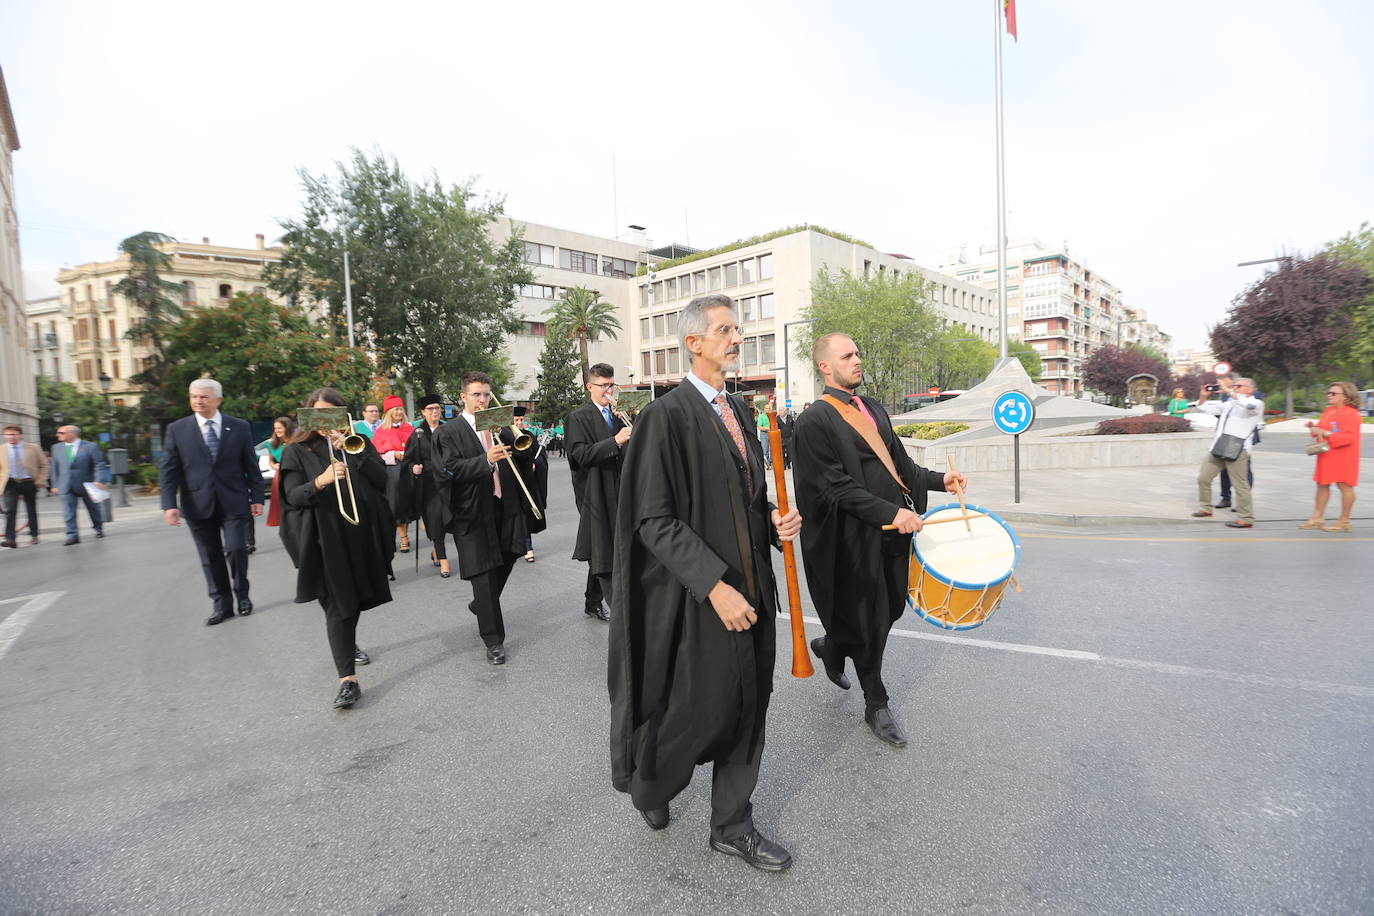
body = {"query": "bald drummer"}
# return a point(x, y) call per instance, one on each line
point(853, 477)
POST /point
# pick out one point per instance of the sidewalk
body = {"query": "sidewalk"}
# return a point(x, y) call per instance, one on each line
point(51, 526)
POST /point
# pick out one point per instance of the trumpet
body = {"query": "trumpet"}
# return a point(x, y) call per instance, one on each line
point(523, 442)
point(329, 420)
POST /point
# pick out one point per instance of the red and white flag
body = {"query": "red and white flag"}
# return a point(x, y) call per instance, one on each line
point(1009, 7)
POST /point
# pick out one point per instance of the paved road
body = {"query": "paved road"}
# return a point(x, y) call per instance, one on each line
point(1163, 721)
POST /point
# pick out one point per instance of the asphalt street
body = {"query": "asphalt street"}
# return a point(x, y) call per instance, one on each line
point(1163, 720)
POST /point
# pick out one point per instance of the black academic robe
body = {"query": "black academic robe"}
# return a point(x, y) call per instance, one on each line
point(485, 529)
point(425, 495)
point(595, 460)
point(845, 496)
point(682, 686)
point(538, 481)
point(343, 565)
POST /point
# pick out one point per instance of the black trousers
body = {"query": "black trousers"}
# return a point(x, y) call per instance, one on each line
point(868, 655)
point(14, 489)
point(732, 787)
point(1226, 481)
point(486, 600)
point(223, 550)
point(598, 587)
point(343, 639)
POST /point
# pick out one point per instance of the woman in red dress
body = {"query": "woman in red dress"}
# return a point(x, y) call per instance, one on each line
point(390, 442)
point(1339, 428)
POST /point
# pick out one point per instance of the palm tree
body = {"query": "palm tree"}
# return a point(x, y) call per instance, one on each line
point(582, 314)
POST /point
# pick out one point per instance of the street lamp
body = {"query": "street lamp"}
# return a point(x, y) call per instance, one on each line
point(787, 359)
point(105, 382)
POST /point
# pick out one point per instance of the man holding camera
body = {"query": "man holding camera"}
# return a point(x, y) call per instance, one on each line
point(1237, 419)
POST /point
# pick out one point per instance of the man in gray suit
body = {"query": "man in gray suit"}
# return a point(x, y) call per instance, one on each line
point(74, 464)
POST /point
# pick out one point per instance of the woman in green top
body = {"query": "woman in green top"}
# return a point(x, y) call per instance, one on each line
point(282, 430)
point(1178, 404)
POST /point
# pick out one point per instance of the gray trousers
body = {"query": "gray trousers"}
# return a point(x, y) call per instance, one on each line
point(1240, 483)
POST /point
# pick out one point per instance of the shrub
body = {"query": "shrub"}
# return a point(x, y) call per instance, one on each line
point(929, 430)
point(145, 475)
point(1145, 423)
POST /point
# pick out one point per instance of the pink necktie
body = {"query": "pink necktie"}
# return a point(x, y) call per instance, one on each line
point(859, 406)
point(732, 427)
point(496, 472)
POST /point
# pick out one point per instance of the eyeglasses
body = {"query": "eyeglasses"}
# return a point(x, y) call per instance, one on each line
point(602, 385)
point(431, 407)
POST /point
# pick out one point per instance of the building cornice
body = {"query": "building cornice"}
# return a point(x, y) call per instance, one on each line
point(7, 114)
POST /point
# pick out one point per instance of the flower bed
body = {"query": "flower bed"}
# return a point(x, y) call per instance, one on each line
point(1145, 423)
point(929, 430)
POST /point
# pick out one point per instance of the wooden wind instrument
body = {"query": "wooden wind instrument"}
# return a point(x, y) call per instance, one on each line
point(801, 654)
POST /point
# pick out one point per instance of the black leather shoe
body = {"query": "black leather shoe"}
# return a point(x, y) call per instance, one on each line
point(882, 724)
point(757, 850)
point(835, 673)
point(657, 818)
point(219, 617)
point(72, 540)
point(349, 693)
point(100, 533)
point(14, 544)
point(1224, 504)
point(360, 657)
point(496, 655)
point(252, 548)
point(245, 607)
point(599, 612)
point(472, 607)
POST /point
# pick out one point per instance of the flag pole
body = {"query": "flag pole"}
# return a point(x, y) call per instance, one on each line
point(997, 6)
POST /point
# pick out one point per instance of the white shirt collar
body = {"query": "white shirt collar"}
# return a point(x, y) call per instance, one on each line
point(707, 392)
point(472, 420)
point(217, 419)
point(74, 444)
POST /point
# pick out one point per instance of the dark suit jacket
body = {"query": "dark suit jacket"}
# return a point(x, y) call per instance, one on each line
point(484, 530)
point(70, 476)
point(595, 460)
point(228, 485)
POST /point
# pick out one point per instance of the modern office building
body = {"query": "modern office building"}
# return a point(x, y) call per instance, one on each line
point(95, 342)
point(1059, 306)
point(18, 399)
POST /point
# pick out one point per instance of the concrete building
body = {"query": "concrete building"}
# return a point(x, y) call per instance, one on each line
point(1186, 361)
point(771, 282)
point(18, 399)
point(97, 320)
point(1058, 306)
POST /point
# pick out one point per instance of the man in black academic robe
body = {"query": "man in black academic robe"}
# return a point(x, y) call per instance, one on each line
point(692, 616)
point(847, 491)
point(488, 528)
point(422, 481)
point(537, 480)
point(595, 440)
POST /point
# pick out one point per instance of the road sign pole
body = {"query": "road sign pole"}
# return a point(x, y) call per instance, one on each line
point(1016, 467)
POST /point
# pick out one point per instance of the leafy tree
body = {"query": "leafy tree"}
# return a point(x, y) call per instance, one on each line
point(157, 307)
point(890, 318)
point(1356, 249)
point(432, 293)
point(85, 409)
point(1029, 356)
point(266, 356)
point(960, 361)
point(582, 314)
point(558, 393)
point(1109, 368)
point(1294, 321)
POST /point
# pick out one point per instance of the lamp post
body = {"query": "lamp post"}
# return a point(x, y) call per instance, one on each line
point(787, 359)
point(105, 382)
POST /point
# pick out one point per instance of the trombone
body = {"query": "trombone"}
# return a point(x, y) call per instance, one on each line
point(329, 420)
point(523, 442)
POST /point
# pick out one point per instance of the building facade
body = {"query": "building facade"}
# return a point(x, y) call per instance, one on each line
point(84, 336)
point(1059, 306)
point(18, 399)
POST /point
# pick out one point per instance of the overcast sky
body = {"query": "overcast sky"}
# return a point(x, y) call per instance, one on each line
point(1164, 141)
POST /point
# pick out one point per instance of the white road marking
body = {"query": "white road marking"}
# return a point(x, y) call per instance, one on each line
point(1254, 680)
point(14, 624)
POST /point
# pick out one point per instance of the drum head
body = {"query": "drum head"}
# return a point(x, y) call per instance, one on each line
point(964, 568)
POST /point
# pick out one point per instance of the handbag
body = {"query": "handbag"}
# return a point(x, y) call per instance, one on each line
point(1228, 447)
point(1318, 448)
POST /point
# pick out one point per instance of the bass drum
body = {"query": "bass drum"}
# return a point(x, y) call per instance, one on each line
point(957, 576)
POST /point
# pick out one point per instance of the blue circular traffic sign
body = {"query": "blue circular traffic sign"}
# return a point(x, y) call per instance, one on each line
point(1013, 413)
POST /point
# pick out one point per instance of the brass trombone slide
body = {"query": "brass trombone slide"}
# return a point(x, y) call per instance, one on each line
point(523, 441)
point(636, 400)
point(329, 420)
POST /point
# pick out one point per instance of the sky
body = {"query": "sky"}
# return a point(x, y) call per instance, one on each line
point(1164, 142)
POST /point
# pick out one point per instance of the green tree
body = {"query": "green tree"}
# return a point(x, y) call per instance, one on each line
point(157, 305)
point(558, 393)
point(1356, 249)
point(1029, 356)
point(581, 314)
point(432, 293)
point(891, 318)
point(266, 356)
point(61, 403)
point(961, 360)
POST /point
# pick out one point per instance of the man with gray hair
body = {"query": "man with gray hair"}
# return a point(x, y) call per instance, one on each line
point(692, 616)
point(209, 460)
point(1237, 419)
point(74, 464)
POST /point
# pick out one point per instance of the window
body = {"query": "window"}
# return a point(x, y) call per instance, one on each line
point(90, 296)
point(113, 335)
point(746, 271)
point(766, 305)
point(1039, 269)
point(82, 329)
point(114, 368)
point(109, 291)
point(674, 361)
point(713, 278)
point(699, 282)
point(582, 261)
point(260, 290)
point(535, 329)
point(644, 363)
point(670, 288)
point(644, 297)
point(749, 353)
point(731, 275)
point(765, 267)
point(658, 291)
point(539, 254)
point(538, 291)
point(660, 362)
point(767, 354)
point(868, 266)
point(643, 328)
point(225, 291)
point(746, 308)
point(660, 325)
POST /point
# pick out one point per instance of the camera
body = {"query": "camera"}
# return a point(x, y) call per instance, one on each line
point(1212, 388)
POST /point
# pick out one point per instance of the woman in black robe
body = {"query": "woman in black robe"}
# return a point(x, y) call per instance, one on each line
point(421, 476)
point(345, 566)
